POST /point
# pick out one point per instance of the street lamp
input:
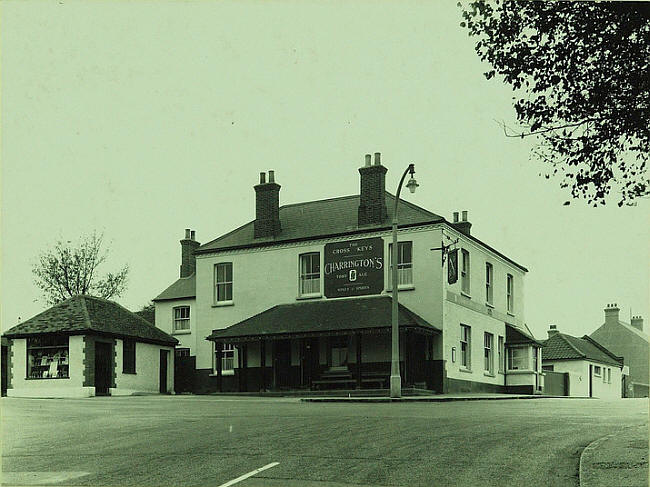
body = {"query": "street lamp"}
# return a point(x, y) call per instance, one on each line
point(395, 379)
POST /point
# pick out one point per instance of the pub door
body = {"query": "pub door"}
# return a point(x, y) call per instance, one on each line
point(415, 363)
point(103, 368)
point(282, 364)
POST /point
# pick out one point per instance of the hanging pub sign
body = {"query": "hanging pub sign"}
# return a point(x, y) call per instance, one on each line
point(452, 266)
point(354, 267)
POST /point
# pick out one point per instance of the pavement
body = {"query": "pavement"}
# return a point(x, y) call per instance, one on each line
point(619, 459)
point(434, 398)
point(262, 442)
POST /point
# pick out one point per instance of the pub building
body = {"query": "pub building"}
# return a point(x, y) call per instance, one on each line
point(300, 299)
point(88, 346)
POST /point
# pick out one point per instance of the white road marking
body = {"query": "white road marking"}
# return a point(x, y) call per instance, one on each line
point(249, 474)
point(39, 478)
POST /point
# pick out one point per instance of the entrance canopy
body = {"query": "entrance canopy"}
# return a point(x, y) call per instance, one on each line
point(326, 317)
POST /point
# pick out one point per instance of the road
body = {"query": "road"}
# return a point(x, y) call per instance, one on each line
point(209, 440)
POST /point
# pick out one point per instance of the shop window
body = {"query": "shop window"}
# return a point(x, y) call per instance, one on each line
point(223, 283)
point(510, 293)
point(465, 344)
point(48, 357)
point(518, 358)
point(181, 318)
point(128, 356)
point(464, 272)
point(404, 264)
point(488, 352)
point(489, 271)
point(310, 274)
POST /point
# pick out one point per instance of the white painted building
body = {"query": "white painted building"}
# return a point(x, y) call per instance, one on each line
point(285, 305)
point(87, 346)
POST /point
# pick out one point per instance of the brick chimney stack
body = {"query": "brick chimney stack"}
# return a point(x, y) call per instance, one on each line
point(372, 200)
point(463, 226)
point(611, 313)
point(188, 259)
point(637, 322)
point(267, 207)
point(552, 330)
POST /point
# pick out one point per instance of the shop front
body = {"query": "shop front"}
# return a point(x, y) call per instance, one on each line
point(334, 344)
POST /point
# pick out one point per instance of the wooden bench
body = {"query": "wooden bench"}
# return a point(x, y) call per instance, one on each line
point(378, 378)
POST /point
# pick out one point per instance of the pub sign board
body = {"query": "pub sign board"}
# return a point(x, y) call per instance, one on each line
point(354, 267)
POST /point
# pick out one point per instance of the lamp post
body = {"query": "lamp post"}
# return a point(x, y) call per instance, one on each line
point(395, 379)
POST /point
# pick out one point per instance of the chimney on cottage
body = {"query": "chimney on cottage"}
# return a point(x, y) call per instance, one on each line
point(611, 313)
point(372, 200)
point(188, 259)
point(552, 330)
point(463, 226)
point(637, 322)
point(267, 207)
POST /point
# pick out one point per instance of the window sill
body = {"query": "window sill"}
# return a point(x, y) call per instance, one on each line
point(468, 296)
point(181, 332)
point(309, 296)
point(129, 373)
point(489, 374)
point(510, 313)
point(489, 305)
point(467, 371)
point(219, 304)
point(45, 378)
point(223, 373)
point(520, 371)
point(405, 287)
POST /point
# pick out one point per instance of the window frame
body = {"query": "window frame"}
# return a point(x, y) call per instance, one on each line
point(597, 370)
point(465, 273)
point(465, 347)
point(228, 284)
point(405, 267)
point(510, 292)
point(129, 355)
point(49, 348)
point(303, 277)
point(489, 283)
point(228, 353)
point(501, 352)
point(488, 353)
point(182, 352)
point(525, 358)
point(175, 328)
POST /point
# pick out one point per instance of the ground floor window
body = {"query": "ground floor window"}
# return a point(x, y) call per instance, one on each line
point(128, 356)
point(227, 359)
point(339, 351)
point(518, 358)
point(47, 357)
point(488, 347)
point(502, 356)
point(597, 370)
point(182, 352)
point(465, 342)
point(609, 375)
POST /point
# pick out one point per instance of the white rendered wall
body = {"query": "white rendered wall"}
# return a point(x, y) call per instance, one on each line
point(49, 388)
point(165, 322)
point(147, 370)
point(579, 378)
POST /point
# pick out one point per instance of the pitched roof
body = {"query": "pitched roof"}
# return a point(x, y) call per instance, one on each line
point(185, 287)
point(321, 218)
point(82, 314)
point(566, 347)
point(326, 316)
point(516, 335)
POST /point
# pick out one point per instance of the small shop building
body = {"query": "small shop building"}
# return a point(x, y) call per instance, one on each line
point(587, 368)
point(87, 346)
point(300, 299)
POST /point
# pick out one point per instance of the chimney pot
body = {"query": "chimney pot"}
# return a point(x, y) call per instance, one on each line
point(192, 235)
point(368, 160)
point(455, 217)
point(377, 158)
point(262, 178)
point(188, 259)
point(464, 215)
point(271, 176)
point(187, 233)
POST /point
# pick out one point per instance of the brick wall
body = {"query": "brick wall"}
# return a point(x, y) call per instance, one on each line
point(372, 202)
point(267, 210)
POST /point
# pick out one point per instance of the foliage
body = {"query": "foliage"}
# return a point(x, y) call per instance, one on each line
point(69, 269)
point(148, 312)
point(580, 72)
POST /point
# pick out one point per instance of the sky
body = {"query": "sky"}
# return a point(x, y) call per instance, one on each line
point(141, 119)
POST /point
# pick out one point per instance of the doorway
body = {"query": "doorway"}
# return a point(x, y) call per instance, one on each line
point(591, 379)
point(163, 371)
point(282, 363)
point(103, 368)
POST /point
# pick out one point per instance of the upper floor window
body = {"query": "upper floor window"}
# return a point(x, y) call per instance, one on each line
point(488, 352)
point(223, 282)
point(128, 356)
point(489, 272)
point(404, 264)
point(464, 271)
point(310, 273)
point(181, 318)
point(465, 344)
point(510, 293)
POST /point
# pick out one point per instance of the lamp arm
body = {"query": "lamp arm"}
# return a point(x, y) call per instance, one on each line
point(411, 170)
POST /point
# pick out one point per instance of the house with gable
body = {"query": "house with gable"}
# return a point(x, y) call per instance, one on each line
point(631, 342)
point(300, 298)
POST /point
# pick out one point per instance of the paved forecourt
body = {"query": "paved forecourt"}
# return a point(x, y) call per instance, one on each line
point(221, 441)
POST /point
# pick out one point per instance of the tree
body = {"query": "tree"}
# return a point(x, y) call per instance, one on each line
point(69, 269)
point(580, 72)
point(148, 312)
